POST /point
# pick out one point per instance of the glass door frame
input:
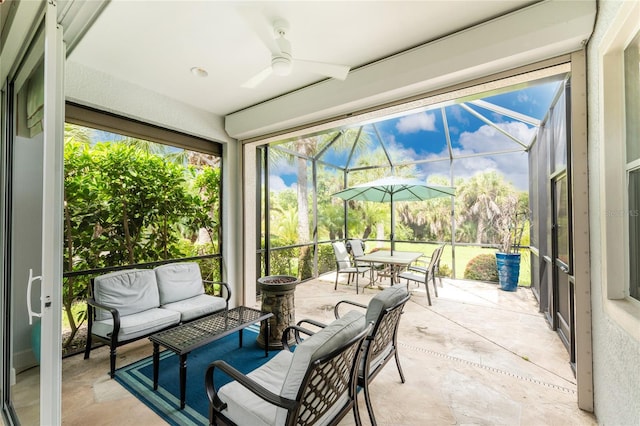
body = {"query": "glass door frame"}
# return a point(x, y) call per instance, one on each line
point(564, 326)
point(32, 15)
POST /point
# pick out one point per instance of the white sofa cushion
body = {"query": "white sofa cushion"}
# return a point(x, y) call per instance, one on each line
point(178, 281)
point(196, 306)
point(139, 324)
point(243, 406)
point(129, 291)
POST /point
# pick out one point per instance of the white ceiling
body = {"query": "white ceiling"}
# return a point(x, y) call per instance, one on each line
point(154, 44)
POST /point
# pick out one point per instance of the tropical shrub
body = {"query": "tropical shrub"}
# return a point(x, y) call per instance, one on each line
point(326, 258)
point(444, 270)
point(125, 204)
point(482, 268)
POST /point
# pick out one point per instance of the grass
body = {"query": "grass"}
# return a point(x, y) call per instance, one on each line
point(77, 308)
point(464, 254)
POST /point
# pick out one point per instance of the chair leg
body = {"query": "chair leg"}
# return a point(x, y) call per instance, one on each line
point(87, 349)
point(367, 399)
point(398, 365)
point(435, 287)
point(356, 274)
point(112, 362)
point(356, 410)
point(426, 286)
point(335, 287)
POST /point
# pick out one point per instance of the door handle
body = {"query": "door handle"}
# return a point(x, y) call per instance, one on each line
point(31, 280)
point(564, 268)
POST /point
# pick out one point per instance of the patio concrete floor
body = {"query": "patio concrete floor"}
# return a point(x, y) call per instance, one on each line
point(478, 356)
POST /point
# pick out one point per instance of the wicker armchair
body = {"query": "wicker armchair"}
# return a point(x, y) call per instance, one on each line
point(384, 311)
point(313, 385)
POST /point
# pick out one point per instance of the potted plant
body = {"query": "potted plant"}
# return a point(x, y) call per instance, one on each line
point(510, 224)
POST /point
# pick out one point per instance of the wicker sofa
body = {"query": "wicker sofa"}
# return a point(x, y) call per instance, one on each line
point(128, 305)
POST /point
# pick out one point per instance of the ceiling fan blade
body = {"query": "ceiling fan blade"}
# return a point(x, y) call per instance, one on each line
point(260, 25)
point(330, 70)
point(258, 78)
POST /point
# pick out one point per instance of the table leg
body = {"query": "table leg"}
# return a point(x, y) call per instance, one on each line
point(183, 379)
point(240, 336)
point(156, 364)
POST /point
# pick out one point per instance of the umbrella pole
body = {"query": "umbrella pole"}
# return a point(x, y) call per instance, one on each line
point(393, 225)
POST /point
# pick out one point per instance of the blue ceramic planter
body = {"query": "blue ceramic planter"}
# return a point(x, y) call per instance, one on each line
point(508, 270)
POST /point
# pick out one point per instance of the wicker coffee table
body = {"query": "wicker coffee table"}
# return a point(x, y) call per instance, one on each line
point(186, 337)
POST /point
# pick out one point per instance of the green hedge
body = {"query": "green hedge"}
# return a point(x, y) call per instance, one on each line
point(482, 268)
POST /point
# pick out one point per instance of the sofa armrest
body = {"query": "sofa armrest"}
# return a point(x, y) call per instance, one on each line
point(245, 381)
point(92, 304)
point(222, 284)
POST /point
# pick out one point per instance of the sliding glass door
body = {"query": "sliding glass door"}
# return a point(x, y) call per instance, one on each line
point(31, 217)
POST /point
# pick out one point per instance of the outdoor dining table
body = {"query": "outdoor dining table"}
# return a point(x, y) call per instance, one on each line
point(396, 260)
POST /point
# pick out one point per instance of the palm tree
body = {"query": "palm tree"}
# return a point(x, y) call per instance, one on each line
point(308, 148)
point(480, 198)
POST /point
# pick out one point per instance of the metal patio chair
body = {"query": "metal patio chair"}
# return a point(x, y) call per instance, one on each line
point(381, 344)
point(345, 266)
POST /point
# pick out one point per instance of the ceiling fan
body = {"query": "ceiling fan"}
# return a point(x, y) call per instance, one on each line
point(282, 61)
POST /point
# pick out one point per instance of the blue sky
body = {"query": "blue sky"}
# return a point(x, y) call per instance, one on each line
point(421, 136)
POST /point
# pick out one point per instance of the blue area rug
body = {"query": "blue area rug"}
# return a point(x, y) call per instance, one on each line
point(137, 378)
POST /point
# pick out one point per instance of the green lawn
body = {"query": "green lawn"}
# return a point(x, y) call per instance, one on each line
point(464, 254)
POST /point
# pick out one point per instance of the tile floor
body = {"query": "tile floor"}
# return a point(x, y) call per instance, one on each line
point(478, 356)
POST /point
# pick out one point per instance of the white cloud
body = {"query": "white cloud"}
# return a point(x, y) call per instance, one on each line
point(514, 166)
point(284, 166)
point(417, 123)
point(487, 138)
point(458, 114)
point(277, 184)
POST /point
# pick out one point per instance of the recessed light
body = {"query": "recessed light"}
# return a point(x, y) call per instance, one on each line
point(199, 72)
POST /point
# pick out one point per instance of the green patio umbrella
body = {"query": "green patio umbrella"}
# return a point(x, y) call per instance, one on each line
point(394, 188)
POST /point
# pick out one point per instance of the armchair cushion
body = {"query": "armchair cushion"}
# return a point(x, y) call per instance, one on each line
point(129, 291)
point(318, 345)
point(178, 281)
point(138, 324)
point(383, 300)
point(246, 408)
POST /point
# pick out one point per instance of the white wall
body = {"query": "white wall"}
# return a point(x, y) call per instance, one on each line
point(96, 89)
point(616, 351)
